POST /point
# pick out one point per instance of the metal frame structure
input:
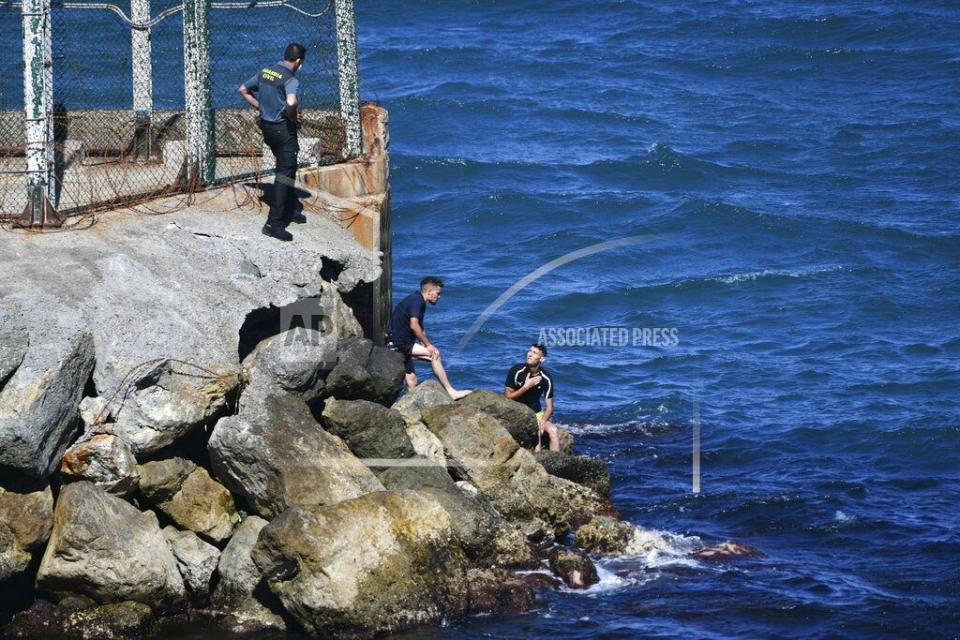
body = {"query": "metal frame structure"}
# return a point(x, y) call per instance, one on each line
point(201, 160)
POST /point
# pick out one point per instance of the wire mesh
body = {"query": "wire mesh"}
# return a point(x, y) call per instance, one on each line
point(120, 140)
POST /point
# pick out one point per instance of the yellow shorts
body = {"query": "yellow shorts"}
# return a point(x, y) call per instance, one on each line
point(539, 416)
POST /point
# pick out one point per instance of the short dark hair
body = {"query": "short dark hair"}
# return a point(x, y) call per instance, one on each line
point(294, 51)
point(431, 280)
point(542, 347)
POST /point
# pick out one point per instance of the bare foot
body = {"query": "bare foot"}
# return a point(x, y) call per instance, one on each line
point(456, 395)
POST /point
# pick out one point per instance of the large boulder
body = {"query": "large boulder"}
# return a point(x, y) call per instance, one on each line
point(296, 360)
point(381, 562)
point(104, 548)
point(604, 535)
point(371, 430)
point(516, 417)
point(237, 590)
point(275, 455)
point(29, 516)
point(104, 460)
point(39, 401)
point(425, 443)
point(169, 400)
point(508, 475)
point(196, 559)
point(365, 371)
point(590, 472)
point(425, 395)
point(190, 497)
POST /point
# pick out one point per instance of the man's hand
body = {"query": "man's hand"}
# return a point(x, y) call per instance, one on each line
point(434, 352)
point(532, 381)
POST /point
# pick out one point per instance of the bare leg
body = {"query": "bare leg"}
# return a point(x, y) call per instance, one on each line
point(551, 430)
point(420, 352)
point(411, 379)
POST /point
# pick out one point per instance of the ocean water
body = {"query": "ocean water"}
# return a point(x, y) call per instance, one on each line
point(784, 178)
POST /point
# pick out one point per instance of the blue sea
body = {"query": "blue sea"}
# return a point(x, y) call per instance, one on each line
point(784, 179)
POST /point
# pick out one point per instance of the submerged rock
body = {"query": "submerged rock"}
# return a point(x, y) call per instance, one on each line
point(575, 568)
point(590, 472)
point(104, 548)
point(276, 455)
point(727, 550)
point(104, 460)
point(381, 562)
point(104, 622)
point(497, 591)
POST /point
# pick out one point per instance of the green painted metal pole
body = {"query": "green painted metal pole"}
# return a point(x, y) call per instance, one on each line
point(201, 163)
point(38, 106)
point(349, 82)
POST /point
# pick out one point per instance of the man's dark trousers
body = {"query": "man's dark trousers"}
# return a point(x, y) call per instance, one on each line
point(281, 137)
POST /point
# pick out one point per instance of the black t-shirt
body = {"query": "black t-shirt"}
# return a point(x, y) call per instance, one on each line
point(413, 306)
point(518, 375)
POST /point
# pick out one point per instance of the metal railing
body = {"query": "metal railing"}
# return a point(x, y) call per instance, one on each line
point(108, 103)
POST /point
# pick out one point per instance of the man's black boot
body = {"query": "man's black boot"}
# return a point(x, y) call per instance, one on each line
point(299, 218)
point(276, 232)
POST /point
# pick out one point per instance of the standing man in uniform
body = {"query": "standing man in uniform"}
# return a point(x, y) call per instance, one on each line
point(274, 92)
point(526, 383)
point(408, 337)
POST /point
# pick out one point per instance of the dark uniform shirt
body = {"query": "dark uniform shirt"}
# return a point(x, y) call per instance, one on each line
point(272, 85)
point(413, 306)
point(518, 374)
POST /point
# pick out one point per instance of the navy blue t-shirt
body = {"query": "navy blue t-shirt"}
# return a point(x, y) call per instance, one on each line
point(413, 306)
point(272, 85)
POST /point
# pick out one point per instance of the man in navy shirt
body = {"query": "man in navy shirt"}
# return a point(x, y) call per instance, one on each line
point(407, 335)
point(274, 92)
point(526, 383)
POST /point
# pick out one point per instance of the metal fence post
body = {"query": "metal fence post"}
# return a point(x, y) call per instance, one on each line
point(38, 114)
point(201, 168)
point(349, 84)
point(142, 80)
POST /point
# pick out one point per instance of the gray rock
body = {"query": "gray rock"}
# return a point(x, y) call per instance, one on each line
point(104, 622)
point(28, 515)
point(420, 473)
point(365, 372)
point(196, 501)
point(168, 401)
point(590, 472)
point(426, 394)
point(104, 548)
point(371, 430)
point(160, 480)
point(516, 417)
point(14, 342)
point(425, 443)
point(381, 562)
point(574, 567)
point(38, 403)
point(276, 455)
point(13, 558)
point(604, 535)
point(196, 559)
point(94, 412)
point(236, 591)
point(297, 360)
point(104, 460)
point(508, 475)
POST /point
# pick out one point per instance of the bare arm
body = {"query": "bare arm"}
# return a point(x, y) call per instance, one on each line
point(249, 97)
point(420, 334)
point(513, 394)
point(548, 411)
point(292, 114)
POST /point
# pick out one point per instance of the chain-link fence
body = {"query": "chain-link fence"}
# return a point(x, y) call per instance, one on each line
point(135, 110)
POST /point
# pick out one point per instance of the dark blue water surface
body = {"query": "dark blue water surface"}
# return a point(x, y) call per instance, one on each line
point(794, 170)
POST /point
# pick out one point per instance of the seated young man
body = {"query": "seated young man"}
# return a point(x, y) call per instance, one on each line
point(529, 381)
point(408, 336)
